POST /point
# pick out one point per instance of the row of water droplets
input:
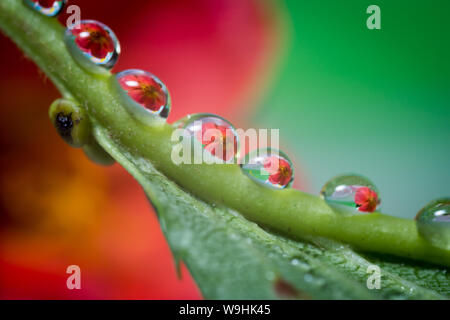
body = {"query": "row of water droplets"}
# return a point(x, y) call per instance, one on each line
point(96, 48)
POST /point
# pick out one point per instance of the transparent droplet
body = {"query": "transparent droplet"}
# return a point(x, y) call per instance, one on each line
point(93, 45)
point(269, 167)
point(49, 8)
point(351, 194)
point(213, 138)
point(433, 222)
point(143, 94)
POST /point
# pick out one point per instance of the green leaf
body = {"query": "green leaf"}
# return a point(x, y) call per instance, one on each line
point(232, 258)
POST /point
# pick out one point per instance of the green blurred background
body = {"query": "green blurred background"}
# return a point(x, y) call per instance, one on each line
point(375, 102)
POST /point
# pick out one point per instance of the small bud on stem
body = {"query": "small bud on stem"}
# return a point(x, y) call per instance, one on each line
point(97, 154)
point(71, 122)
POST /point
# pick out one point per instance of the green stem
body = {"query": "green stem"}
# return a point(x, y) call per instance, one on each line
point(289, 211)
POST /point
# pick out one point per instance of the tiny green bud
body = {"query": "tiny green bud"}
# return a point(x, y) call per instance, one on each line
point(97, 154)
point(70, 121)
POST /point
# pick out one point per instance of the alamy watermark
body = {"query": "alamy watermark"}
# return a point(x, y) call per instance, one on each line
point(374, 279)
point(74, 280)
point(73, 21)
point(374, 20)
point(199, 144)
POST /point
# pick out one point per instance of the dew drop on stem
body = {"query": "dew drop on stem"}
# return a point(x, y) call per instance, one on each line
point(269, 167)
point(49, 8)
point(93, 45)
point(351, 194)
point(215, 136)
point(433, 222)
point(143, 94)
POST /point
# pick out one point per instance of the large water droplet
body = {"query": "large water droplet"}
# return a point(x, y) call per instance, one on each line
point(269, 167)
point(49, 8)
point(433, 222)
point(351, 193)
point(143, 94)
point(213, 134)
point(93, 45)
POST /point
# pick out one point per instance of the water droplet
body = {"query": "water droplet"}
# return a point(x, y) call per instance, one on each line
point(213, 134)
point(308, 278)
point(269, 167)
point(143, 93)
point(433, 222)
point(270, 275)
point(93, 45)
point(49, 8)
point(300, 264)
point(351, 193)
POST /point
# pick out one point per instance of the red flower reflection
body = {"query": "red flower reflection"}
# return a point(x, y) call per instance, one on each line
point(279, 169)
point(218, 139)
point(366, 199)
point(46, 3)
point(144, 90)
point(93, 39)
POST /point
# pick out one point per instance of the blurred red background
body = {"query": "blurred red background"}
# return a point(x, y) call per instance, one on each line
point(59, 209)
